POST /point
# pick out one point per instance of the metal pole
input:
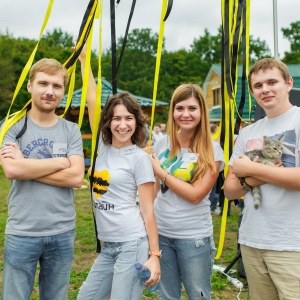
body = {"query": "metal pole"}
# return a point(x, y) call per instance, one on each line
point(275, 28)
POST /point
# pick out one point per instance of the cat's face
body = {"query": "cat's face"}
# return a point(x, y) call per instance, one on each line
point(273, 148)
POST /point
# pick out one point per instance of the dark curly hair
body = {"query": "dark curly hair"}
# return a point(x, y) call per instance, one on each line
point(139, 136)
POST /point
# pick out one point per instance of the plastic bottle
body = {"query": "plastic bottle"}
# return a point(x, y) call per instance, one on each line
point(144, 274)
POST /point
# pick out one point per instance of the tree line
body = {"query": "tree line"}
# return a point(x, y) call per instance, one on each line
point(136, 72)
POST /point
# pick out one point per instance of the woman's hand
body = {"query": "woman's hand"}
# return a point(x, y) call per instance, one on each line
point(153, 264)
point(155, 163)
point(82, 54)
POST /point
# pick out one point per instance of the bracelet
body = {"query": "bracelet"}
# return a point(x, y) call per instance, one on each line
point(246, 187)
point(164, 180)
point(155, 252)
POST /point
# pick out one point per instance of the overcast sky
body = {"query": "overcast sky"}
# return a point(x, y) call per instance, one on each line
point(188, 19)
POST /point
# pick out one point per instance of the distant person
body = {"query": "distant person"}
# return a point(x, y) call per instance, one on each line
point(44, 165)
point(214, 194)
point(156, 133)
point(163, 128)
point(128, 231)
point(186, 165)
point(270, 235)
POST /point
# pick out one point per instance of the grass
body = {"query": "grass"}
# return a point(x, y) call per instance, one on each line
point(85, 247)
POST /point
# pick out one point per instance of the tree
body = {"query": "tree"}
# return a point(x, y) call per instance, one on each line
point(258, 50)
point(208, 49)
point(293, 36)
point(15, 54)
point(136, 70)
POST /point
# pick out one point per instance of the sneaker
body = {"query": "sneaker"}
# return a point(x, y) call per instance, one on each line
point(216, 211)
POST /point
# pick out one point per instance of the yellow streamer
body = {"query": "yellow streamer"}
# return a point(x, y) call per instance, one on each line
point(85, 77)
point(22, 78)
point(157, 65)
point(97, 111)
point(71, 72)
point(230, 103)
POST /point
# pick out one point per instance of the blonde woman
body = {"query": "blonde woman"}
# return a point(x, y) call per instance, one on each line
point(186, 164)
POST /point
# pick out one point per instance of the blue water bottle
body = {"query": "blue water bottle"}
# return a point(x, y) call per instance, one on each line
point(144, 274)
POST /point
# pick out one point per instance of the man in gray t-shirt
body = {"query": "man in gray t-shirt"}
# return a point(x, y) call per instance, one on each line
point(42, 156)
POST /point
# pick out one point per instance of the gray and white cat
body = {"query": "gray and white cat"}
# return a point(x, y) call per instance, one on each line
point(270, 153)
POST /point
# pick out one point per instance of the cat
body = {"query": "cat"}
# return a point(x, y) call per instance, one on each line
point(270, 153)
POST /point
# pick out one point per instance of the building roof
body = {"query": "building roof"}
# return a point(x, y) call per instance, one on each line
point(106, 93)
point(216, 111)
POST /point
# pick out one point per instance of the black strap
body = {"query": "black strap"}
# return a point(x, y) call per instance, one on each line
point(169, 8)
point(85, 19)
point(23, 130)
point(244, 75)
point(115, 69)
point(126, 35)
point(98, 248)
point(113, 47)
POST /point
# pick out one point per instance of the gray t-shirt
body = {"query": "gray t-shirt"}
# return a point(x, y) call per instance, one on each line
point(35, 208)
point(118, 173)
point(176, 217)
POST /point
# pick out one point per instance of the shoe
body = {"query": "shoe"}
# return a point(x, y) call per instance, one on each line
point(216, 211)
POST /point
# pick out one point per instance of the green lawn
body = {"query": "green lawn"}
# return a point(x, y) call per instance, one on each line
point(85, 247)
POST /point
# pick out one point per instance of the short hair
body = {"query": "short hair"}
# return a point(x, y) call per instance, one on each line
point(266, 64)
point(213, 128)
point(49, 66)
point(124, 98)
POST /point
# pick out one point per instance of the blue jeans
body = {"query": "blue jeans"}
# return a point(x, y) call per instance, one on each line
point(21, 255)
point(189, 262)
point(113, 272)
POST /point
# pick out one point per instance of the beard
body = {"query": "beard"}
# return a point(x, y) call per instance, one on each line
point(42, 107)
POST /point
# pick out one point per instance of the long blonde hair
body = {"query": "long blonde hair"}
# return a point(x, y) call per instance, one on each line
point(201, 141)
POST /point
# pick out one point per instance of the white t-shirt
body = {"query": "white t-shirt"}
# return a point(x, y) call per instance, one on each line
point(176, 217)
point(275, 225)
point(118, 173)
point(156, 136)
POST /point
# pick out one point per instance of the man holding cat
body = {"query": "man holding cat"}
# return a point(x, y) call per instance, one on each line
point(270, 235)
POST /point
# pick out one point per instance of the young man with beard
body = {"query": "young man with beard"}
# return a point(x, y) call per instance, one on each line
point(44, 164)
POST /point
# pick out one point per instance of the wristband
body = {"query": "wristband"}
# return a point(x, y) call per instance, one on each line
point(246, 187)
point(155, 252)
point(164, 180)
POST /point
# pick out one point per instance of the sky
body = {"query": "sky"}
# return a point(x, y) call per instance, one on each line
point(187, 21)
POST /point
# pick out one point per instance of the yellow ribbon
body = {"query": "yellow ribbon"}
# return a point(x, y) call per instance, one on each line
point(229, 101)
point(21, 80)
point(157, 65)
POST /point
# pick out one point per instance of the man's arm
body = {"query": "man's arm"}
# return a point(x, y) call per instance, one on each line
point(232, 188)
point(15, 166)
point(69, 177)
point(287, 178)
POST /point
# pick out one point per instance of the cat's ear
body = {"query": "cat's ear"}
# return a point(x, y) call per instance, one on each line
point(265, 139)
